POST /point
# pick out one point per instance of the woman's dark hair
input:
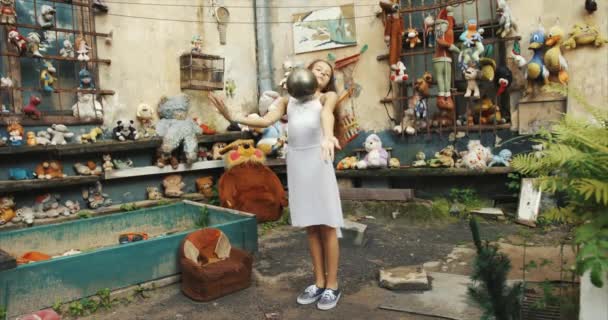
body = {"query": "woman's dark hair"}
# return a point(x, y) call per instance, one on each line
point(331, 85)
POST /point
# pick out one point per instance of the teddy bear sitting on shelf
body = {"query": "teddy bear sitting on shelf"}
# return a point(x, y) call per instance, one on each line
point(176, 129)
point(377, 157)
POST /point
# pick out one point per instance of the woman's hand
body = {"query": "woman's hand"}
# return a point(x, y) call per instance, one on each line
point(327, 148)
point(220, 106)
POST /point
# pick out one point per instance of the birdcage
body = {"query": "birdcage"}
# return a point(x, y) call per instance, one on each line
point(201, 72)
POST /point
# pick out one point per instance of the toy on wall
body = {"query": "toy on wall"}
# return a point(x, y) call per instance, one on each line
point(398, 74)
point(393, 30)
point(90, 137)
point(72, 206)
point(584, 34)
point(590, 6)
point(153, 193)
point(204, 154)
point(420, 160)
point(536, 70)
point(46, 17)
point(15, 134)
point(442, 61)
point(18, 41)
point(216, 150)
point(347, 163)
point(49, 206)
point(506, 23)
point(487, 112)
point(173, 185)
point(33, 44)
point(376, 157)
point(49, 170)
point(554, 60)
point(429, 30)
point(68, 49)
point(95, 197)
point(6, 82)
point(47, 77)
point(59, 134)
point(20, 174)
point(196, 45)
point(503, 158)
point(86, 79)
point(124, 130)
point(487, 69)
point(8, 14)
point(88, 169)
point(82, 48)
point(241, 151)
point(145, 115)
point(470, 75)
point(107, 165)
point(516, 64)
point(7, 209)
point(204, 185)
point(176, 129)
point(87, 107)
point(412, 37)
point(31, 110)
point(472, 46)
point(421, 94)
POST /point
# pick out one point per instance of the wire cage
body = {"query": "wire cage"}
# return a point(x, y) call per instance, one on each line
point(201, 72)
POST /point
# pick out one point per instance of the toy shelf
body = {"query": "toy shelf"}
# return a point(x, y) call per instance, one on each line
point(420, 172)
point(36, 27)
point(22, 185)
point(51, 57)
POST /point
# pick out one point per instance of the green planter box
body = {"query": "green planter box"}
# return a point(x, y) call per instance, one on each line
point(104, 263)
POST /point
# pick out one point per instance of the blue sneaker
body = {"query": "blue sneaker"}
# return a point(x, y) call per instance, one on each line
point(310, 295)
point(329, 299)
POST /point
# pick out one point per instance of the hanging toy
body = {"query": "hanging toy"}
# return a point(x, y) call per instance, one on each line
point(46, 18)
point(398, 74)
point(18, 41)
point(472, 43)
point(82, 49)
point(33, 44)
point(412, 37)
point(506, 23)
point(47, 77)
point(429, 30)
point(554, 60)
point(31, 110)
point(502, 79)
point(393, 30)
point(7, 12)
point(86, 79)
point(536, 70)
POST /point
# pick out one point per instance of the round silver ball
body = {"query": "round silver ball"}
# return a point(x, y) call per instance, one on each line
point(301, 83)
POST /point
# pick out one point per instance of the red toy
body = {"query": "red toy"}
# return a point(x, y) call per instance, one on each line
point(18, 41)
point(31, 109)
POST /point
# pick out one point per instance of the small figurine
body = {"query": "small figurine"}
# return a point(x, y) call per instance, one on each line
point(8, 15)
point(503, 158)
point(31, 110)
point(584, 34)
point(82, 48)
point(471, 74)
point(95, 197)
point(20, 174)
point(86, 79)
point(18, 41)
point(33, 44)
point(15, 132)
point(7, 209)
point(46, 17)
point(506, 23)
point(173, 185)
point(398, 74)
point(429, 30)
point(376, 157)
point(87, 107)
point(60, 133)
point(420, 156)
point(204, 186)
point(68, 49)
point(47, 77)
point(554, 60)
point(412, 37)
point(108, 166)
point(536, 69)
point(124, 130)
point(153, 193)
point(90, 137)
point(196, 45)
point(145, 115)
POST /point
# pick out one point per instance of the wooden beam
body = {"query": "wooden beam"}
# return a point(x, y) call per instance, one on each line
point(380, 194)
point(23, 185)
point(12, 54)
point(46, 120)
point(108, 146)
point(422, 172)
point(33, 26)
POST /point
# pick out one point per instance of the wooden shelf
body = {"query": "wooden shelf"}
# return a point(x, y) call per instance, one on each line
point(60, 90)
point(421, 172)
point(36, 27)
point(47, 57)
point(21, 185)
point(225, 137)
point(46, 120)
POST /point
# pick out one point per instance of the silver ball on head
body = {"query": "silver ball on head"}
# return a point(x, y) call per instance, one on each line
point(301, 84)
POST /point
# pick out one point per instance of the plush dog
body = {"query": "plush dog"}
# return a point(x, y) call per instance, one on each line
point(377, 157)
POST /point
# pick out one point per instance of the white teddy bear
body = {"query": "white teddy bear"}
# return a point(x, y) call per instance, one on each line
point(377, 157)
point(477, 156)
point(60, 133)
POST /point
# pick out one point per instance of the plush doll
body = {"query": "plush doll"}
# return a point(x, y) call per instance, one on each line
point(506, 23)
point(442, 59)
point(90, 169)
point(90, 137)
point(6, 82)
point(153, 193)
point(584, 34)
point(48, 206)
point(443, 158)
point(470, 75)
point(241, 151)
point(145, 115)
point(429, 30)
point(43, 138)
point(173, 185)
point(86, 79)
point(95, 197)
point(216, 148)
point(7, 209)
point(60, 133)
point(487, 111)
point(394, 163)
point(87, 107)
point(33, 44)
point(420, 162)
point(347, 163)
point(30, 138)
point(554, 60)
point(47, 77)
point(412, 37)
point(31, 110)
point(393, 30)
point(68, 49)
point(472, 45)
point(503, 158)
point(421, 94)
point(398, 74)
point(72, 206)
point(49, 170)
point(82, 48)
point(15, 133)
point(25, 215)
point(107, 165)
point(8, 15)
point(176, 129)
point(204, 186)
point(408, 123)
point(124, 130)
point(477, 156)
point(46, 16)
point(536, 69)
point(377, 157)
point(487, 69)
point(18, 41)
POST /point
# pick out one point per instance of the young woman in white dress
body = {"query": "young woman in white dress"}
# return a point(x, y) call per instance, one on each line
point(314, 201)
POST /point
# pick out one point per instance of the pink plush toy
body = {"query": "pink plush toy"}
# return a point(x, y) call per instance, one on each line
point(47, 314)
point(377, 157)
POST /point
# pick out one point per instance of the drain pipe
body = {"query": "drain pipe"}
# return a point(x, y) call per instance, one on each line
point(263, 45)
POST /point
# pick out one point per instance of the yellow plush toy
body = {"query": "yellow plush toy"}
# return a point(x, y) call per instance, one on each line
point(347, 163)
point(241, 151)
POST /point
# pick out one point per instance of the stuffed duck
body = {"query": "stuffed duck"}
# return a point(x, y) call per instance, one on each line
point(536, 70)
point(554, 60)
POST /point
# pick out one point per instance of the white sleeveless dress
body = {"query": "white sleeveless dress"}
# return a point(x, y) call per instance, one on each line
point(313, 190)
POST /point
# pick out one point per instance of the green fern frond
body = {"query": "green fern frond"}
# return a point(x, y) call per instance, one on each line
point(592, 189)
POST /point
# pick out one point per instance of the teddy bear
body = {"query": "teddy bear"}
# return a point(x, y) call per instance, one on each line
point(49, 170)
point(215, 150)
point(241, 151)
point(7, 209)
point(443, 158)
point(412, 37)
point(60, 133)
point(46, 16)
point(398, 74)
point(173, 185)
point(153, 193)
point(87, 107)
point(347, 163)
point(477, 156)
point(176, 129)
point(124, 130)
point(145, 115)
point(470, 75)
point(204, 185)
point(107, 163)
point(377, 157)
point(421, 94)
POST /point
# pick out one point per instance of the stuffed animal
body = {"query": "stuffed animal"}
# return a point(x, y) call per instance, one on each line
point(412, 37)
point(122, 164)
point(86, 79)
point(487, 111)
point(204, 154)
point(347, 163)
point(554, 60)
point(176, 129)
point(107, 163)
point(82, 48)
point(204, 186)
point(48, 206)
point(72, 206)
point(46, 16)
point(25, 215)
point(421, 94)
point(90, 137)
point(536, 69)
point(443, 158)
point(487, 68)
point(503, 158)
point(30, 138)
point(87, 107)
point(394, 163)
point(145, 115)
point(49, 170)
point(408, 123)
point(95, 197)
point(47, 77)
point(15, 133)
point(442, 60)
point(429, 30)
point(19, 174)
point(88, 169)
point(506, 23)
point(60, 133)
point(31, 110)
point(173, 185)
point(68, 49)
point(242, 151)
point(6, 82)
point(393, 30)
point(18, 41)
point(420, 162)
point(584, 34)
point(33, 44)
point(43, 138)
point(376, 157)
point(153, 193)
point(7, 209)
point(124, 130)
point(398, 74)
point(216, 148)
point(472, 43)
point(8, 15)
point(477, 156)
point(471, 75)
point(503, 79)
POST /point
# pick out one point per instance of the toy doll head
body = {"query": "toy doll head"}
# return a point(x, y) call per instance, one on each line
point(175, 107)
point(324, 73)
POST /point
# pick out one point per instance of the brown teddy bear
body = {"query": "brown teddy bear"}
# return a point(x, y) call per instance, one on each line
point(173, 185)
point(49, 170)
point(204, 186)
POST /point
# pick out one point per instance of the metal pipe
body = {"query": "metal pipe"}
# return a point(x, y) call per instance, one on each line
point(263, 45)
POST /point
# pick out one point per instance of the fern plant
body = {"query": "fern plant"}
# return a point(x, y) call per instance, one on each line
point(574, 161)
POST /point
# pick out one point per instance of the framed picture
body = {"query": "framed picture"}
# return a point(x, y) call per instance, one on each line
point(324, 29)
